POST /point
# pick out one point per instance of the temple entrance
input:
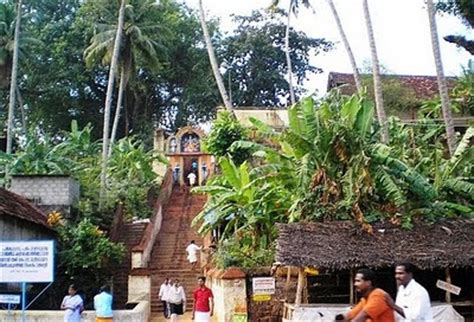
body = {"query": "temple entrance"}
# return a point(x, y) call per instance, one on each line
point(186, 157)
point(191, 165)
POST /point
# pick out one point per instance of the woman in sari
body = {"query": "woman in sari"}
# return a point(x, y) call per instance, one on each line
point(73, 305)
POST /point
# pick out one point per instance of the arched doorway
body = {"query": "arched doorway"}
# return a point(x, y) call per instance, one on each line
point(189, 163)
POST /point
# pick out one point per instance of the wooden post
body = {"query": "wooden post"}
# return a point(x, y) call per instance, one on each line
point(351, 287)
point(288, 280)
point(299, 288)
point(448, 280)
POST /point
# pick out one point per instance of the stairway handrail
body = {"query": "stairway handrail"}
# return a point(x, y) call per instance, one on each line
point(153, 227)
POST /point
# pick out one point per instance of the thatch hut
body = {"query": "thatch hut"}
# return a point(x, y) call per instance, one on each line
point(342, 245)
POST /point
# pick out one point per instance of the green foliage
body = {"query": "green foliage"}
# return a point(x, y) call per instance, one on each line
point(130, 172)
point(226, 130)
point(232, 254)
point(255, 58)
point(327, 165)
point(7, 33)
point(85, 248)
point(397, 97)
point(462, 8)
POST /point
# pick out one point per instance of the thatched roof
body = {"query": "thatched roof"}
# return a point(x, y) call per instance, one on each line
point(14, 205)
point(343, 245)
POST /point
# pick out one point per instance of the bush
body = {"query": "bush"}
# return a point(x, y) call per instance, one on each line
point(225, 131)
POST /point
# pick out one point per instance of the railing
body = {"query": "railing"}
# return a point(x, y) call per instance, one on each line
point(141, 253)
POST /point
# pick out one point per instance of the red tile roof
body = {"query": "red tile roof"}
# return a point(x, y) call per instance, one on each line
point(425, 87)
point(14, 205)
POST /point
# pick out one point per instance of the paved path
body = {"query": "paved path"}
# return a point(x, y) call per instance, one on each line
point(158, 317)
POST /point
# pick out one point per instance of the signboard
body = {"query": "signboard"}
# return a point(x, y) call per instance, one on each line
point(448, 287)
point(263, 285)
point(9, 299)
point(26, 261)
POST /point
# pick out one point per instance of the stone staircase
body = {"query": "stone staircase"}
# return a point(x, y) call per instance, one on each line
point(169, 258)
point(130, 236)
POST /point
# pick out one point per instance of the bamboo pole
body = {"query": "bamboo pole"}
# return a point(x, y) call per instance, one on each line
point(299, 288)
point(448, 280)
point(288, 280)
point(351, 287)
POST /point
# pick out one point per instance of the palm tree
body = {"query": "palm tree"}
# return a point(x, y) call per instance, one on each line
point(108, 102)
point(287, 52)
point(138, 41)
point(213, 59)
point(382, 118)
point(355, 70)
point(13, 83)
point(443, 88)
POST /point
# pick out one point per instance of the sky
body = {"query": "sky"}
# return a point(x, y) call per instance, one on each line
point(400, 26)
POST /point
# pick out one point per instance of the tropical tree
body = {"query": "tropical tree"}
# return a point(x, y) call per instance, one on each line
point(108, 100)
point(327, 165)
point(465, 10)
point(139, 47)
point(13, 80)
point(287, 53)
point(381, 116)
point(213, 59)
point(295, 4)
point(352, 60)
point(255, 55)
point(442, 85)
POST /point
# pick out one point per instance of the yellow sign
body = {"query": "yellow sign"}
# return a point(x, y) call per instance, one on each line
point(311, 271)
point(261, 297)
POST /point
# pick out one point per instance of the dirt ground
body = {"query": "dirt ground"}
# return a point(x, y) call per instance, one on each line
point(158, 317)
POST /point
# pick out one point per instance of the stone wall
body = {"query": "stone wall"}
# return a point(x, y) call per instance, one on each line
point(230, 295)
point(271, 311)
point(50, 192)
point(140, 313)
point(139, 288)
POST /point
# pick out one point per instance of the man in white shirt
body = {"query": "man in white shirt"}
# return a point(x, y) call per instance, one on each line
point(413, 301)
point(164, 293)
point(192, 251)
point(192, 178)
point(177, 301)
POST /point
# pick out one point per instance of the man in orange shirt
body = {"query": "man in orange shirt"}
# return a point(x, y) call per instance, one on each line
point(372, 307)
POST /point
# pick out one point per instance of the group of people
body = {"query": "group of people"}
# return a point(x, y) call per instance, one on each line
point(173, 298)
point(412, 302)
point(73, 305)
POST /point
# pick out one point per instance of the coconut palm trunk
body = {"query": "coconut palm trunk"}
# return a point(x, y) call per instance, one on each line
point(21, 107)
point(345, 42)
point(108, 103)
point(442, 86)
point(382, 118)
point(121, 90)
point(13, 80)
point(213, 59)
point(288, 57)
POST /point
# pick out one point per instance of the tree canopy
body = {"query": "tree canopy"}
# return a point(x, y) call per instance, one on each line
point(62, 76)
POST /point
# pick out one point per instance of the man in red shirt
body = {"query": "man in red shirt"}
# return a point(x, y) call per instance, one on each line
point(203, 307)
